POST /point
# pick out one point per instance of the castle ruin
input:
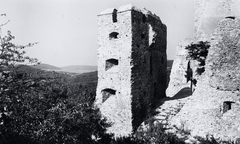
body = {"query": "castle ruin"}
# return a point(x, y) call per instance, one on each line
point(132, 66)
point(214, 106)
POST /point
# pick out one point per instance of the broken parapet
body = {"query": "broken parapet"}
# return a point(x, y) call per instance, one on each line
point(214, 107)
point(132, 66)
point(178, 80)
point(208, 13)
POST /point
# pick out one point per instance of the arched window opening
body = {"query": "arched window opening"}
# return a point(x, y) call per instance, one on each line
point(113, 35)
point(144, 19)
point(114, 15)
point(227, 105)
point(106, 93)
point(111, 63)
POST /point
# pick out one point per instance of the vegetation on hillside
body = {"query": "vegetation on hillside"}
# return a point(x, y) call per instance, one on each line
point(40, 107)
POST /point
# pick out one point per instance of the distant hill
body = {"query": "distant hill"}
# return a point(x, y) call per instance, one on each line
point(26, 68)
point(79, 68)
point(89, 79)
point(44, 66)
point(70, 69)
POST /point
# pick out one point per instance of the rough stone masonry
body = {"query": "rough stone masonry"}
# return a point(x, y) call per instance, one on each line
point(132, 66)
point(214, 107)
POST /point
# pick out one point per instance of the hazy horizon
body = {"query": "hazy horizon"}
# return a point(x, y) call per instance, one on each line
point(67, 29)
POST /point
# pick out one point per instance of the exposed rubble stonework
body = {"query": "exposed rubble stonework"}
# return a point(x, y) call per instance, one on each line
point(224, 56)
point(214, 107)
point(209, 12)
point(132, 66)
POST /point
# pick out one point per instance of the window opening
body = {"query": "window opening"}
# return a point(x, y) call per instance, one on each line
point(144, 18)
point(227, 105)
point(113, 35)
point(114, 15)
point(111, 63)
point(106, 93)
point(162, 60)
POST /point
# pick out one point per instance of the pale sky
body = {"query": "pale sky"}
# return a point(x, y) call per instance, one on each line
point(67, 29)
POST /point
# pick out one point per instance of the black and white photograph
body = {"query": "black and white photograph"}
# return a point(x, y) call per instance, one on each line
point(119, 71)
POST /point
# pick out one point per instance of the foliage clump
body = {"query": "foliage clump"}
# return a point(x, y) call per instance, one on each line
point(199, 51)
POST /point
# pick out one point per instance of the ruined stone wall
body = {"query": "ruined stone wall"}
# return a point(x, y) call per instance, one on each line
point(208, 13)
point(224, 56)
point(149, 64)
point(214, 108)
point(131, 66)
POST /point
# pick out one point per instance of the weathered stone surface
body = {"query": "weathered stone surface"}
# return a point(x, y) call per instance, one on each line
point(214, 107)
point(223, 63)
point(208, 13)
point(178, 80)
point(132, 66)
point(203, 113)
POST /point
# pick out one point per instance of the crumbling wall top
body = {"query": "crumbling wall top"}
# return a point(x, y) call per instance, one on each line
point(128, 7)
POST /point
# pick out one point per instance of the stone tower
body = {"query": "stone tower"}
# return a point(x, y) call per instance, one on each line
point(132, 66)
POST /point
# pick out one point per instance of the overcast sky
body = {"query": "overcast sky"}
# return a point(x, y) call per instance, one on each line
point(67, 29)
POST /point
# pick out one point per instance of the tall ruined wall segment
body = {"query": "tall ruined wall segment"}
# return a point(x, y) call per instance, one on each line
point(131, 66)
